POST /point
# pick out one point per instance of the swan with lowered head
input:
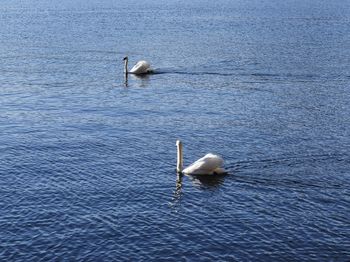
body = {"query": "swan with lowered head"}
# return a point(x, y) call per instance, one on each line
point(208, 165)
point(141, 67)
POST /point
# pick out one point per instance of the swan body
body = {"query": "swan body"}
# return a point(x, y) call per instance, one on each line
point(141, 67)
point(208, 165)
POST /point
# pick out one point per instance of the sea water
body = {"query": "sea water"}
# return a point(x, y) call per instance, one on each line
point(87, 159)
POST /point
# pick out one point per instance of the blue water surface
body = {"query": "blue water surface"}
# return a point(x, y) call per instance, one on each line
point(87, 160)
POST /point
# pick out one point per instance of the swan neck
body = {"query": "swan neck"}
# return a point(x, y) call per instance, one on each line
point(179, 157)
point(126, 66)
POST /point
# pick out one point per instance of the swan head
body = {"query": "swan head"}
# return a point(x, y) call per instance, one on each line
point(125, 58)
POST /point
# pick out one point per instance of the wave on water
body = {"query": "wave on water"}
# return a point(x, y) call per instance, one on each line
point(184, 72)
point(288, 172)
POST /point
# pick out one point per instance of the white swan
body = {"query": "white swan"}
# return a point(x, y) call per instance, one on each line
point(141, 67)
point(207, 165)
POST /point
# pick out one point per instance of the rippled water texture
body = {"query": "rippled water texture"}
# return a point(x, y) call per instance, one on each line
point(87, 161)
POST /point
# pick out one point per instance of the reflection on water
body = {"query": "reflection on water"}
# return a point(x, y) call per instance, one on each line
point(126, 80)
point(177, 193)
point(208, 181)
point(203, 181)
point(143, 80)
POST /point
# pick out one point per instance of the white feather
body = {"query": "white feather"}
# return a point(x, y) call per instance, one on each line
point(207, 165)
point(141, 67)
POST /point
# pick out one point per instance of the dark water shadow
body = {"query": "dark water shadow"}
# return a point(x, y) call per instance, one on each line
point(141, 77)
point(177, 195)
point(208, 181)
point(205, 182)
point(178, 187)
point(161, 71)
point(144, 79)
point(289, 172)
point(173, 71)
